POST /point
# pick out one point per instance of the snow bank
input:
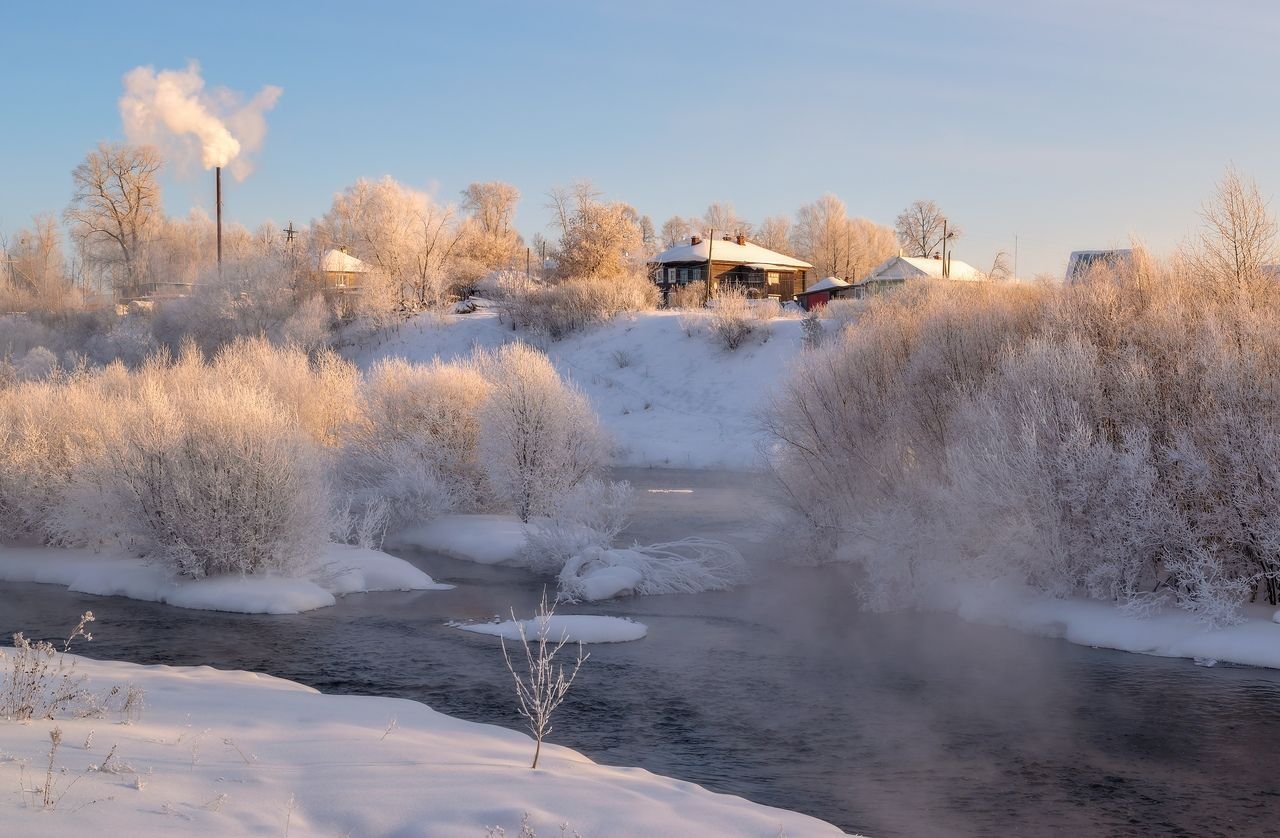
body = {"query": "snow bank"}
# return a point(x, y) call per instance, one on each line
point(342, 569)
point(484, 539)
point(1166, 632)
point(688, 566)
point(234, 753)
point(575, 628)
point(668, 398)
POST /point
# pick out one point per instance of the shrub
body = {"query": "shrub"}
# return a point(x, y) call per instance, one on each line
point(559, 309)
point(692, 295)
point(539, 437)
point(735, 319)
point(1118, 439)
point(219, 479)
point(416, 442)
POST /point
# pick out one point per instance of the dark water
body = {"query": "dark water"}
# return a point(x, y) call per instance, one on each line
point(892, 725)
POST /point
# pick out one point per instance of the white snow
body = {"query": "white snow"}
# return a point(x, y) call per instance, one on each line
point(342, 569)
point(1165, 632)
point(668, 398)
point(233, 753)
point(574, 628)
point(826, 284)
point(732, 252)
point(484, 539)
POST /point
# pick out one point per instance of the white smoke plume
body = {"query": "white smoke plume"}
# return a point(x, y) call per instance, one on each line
point(171, 109)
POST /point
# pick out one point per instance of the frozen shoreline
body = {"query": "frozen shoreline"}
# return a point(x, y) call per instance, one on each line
point(341, 569)
point(226, 753)
point(1166, 632)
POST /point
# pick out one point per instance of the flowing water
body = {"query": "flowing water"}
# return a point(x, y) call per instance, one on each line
point(782, 691)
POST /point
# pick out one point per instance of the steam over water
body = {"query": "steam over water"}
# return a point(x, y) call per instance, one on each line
point(892, 725)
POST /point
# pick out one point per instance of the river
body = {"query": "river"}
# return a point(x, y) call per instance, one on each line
point(782, 691)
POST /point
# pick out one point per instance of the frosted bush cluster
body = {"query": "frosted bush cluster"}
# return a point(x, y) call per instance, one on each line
point(556, 309)
point(1118, 439)
point(248, 462)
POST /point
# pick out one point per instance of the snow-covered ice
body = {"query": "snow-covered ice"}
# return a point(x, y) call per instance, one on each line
point(574, 628)
point(219, 753)
point(342, 569)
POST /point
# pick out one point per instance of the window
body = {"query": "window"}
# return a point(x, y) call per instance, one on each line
point(671, 274)
point(774, 279)
point(697, 274)
point(684, 274)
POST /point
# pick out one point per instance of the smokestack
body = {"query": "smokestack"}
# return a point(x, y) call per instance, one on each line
point(217, 180)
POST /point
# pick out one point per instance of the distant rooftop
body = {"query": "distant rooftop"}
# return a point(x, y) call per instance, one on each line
point(749, 253)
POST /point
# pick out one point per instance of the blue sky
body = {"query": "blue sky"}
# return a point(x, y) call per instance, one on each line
point(1071, 125)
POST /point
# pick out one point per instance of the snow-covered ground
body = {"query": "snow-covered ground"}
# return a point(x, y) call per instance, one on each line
point(485, 539)
point(342, 569)
point(233, 753)
point(668, 398)
point(1166, 632)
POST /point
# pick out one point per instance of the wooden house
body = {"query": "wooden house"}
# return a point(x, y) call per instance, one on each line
point(341, 273)
point(731, 261)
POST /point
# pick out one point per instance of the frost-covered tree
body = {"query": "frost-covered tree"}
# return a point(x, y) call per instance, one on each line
point(1239, 235)
point(920, 228)
point(539, 437)
point(677, 230)
point(774, 233)
point(115, 203)
point(597, 238)
point(723, 219)
point(837, 245)
point(488, 238)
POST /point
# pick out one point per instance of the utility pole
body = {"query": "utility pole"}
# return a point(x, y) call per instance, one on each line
point(217, 176)
point(945, 271)
point(706, 296)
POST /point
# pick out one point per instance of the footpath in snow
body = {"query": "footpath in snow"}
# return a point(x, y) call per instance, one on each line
point(233, 753)
point(668, 394)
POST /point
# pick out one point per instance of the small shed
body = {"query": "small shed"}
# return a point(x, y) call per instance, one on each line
point(822, 292)
point(341, 273)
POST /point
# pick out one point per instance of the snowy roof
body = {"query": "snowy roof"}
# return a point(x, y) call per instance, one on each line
point(919, 267)
point(826, 284)
point(750, 254)
point(341, 262)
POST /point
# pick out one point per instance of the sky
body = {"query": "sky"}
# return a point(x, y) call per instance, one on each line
point(1058, 125)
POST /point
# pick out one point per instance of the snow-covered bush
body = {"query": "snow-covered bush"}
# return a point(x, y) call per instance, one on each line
point(1119, 439)
point(688, 566)
point(735, 319)
point(591, 515)
point(215, 478)
point(416, 442)
point(539, 437)
point(841, 313)
point(54, 434)
point(555, 310)
point(37, 364)
point(691, 295)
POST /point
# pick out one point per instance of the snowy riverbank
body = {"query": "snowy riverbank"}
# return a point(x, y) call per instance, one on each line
point(342, 569)
point(669, 395)
point(231, 753)
point(1165, 632)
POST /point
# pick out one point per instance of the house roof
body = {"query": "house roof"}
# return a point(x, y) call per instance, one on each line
point(730, 251)
point(919, 267)
point(341, 262)
point(826, 284)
